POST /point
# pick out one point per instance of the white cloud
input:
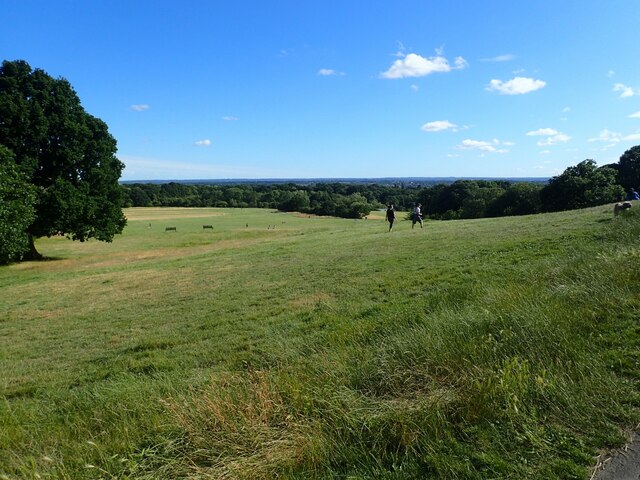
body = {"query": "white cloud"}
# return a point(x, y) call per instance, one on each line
point(500, 58)
point(415, 88)
point(414, 65)
point(553, 140)
point(203, 143)
point(607, 136)
point(613, 138)
point(545, 152)
point(438, 126)
point(230, 119)
point(610, 73)
point(566, 109)
point(542, 132)
point(635, 115)
point(625, 91)
point(516, 86)
point(328, 72)
point(553, 136)
point(140, 107)
point(482, 146)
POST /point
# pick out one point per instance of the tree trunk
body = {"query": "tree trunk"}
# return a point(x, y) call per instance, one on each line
point(32, 254)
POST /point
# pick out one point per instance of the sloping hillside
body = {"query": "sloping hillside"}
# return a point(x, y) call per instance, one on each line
point(284, 346)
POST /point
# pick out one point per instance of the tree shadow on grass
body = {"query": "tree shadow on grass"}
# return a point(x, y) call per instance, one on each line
point(41, 259)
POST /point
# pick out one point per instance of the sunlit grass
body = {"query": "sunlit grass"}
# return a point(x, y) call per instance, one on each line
point(307, 347)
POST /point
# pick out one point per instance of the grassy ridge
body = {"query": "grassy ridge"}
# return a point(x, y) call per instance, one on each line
point(321, 348)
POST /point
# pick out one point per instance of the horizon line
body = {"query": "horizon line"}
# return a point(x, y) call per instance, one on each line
point(342, 179)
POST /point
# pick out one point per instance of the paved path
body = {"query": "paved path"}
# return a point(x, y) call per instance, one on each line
point(624, 465)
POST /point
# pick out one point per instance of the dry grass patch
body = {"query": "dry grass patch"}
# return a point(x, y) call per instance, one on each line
point(130, 258)
point(241, 426)
point(311, 301)
point(381, 215)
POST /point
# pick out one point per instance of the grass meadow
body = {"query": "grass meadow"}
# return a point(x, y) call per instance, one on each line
point(287, 346)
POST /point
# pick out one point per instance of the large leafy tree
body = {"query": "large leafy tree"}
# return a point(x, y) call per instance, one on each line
point(629, 168)
point(17, 197)
point(518, 199)
point(67, 154)
point(580, 186)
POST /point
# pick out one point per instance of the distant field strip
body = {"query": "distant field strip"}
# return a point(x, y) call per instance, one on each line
point(168, 213)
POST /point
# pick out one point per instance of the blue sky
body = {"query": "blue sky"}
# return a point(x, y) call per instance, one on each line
point(291, 89)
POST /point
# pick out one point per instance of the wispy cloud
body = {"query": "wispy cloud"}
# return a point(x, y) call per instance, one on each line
point(203, 143)
point(635, 115)
point(414, 65)
point(401, 50)
point(625, 91)
point(137, 168)
point(614, 138)
point(329, 72)
point(607, 136)
point(500, 58)
point(230, 119)
point(516, 86)
point(491, 147)
point(415, 87)
point(140, 107)
point(439, 126)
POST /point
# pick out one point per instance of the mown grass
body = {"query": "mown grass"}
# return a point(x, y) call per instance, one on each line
point(322, 348)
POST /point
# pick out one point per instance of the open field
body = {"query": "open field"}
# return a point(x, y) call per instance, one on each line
point(286, 346)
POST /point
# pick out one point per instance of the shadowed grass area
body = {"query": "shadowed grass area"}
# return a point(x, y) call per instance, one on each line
point(283, 346)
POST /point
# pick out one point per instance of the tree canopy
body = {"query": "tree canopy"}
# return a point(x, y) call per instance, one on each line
point(629, 168)
point(65, 153)
point(583, 185)
point(17, 198)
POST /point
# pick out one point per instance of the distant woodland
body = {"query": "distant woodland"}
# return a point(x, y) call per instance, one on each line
point(579, 186)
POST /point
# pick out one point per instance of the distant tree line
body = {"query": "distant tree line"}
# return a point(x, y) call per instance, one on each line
point(579, 186)
point(335, 199)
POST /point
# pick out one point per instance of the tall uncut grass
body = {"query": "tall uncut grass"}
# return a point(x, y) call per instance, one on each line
point(283, 346)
